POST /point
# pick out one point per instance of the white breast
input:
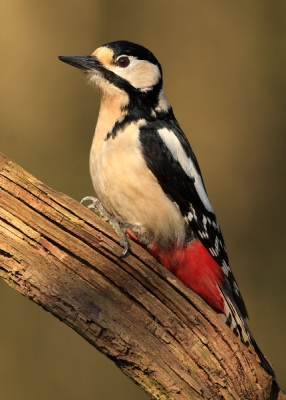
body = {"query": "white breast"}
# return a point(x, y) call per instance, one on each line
point(129, 190)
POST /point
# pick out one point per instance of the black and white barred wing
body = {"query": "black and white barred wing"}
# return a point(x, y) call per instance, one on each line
point(170, 158)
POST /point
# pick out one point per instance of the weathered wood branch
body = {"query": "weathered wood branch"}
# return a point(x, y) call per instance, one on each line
point(63, 257)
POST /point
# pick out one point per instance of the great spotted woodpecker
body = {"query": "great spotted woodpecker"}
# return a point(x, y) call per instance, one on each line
point(148, 180)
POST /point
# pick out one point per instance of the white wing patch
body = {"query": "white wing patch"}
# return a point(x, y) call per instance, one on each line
point(175, 147)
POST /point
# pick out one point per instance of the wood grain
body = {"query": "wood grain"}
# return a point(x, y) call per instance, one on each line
point(165, 338)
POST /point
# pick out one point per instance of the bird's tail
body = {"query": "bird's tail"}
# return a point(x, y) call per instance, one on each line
point(238, 325)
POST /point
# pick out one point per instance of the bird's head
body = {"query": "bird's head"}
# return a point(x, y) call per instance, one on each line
point(127, 70)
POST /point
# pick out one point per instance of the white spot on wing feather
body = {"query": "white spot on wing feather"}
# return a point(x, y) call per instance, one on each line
point(175, 147)
point(225, 268)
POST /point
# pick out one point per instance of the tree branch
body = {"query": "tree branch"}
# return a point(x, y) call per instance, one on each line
point(63, 257)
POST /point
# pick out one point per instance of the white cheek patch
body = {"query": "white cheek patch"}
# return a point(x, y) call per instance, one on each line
point(179, 154)
point(141, 74)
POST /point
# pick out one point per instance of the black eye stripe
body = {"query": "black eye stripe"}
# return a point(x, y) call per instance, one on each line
point(123, 62)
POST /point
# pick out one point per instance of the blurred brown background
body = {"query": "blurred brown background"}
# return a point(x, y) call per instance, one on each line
point(225, 71)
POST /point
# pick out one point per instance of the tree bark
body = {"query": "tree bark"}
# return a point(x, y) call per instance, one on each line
point(165, 338)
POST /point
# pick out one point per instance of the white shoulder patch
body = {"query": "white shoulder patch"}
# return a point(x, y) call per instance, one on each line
point(179, 154)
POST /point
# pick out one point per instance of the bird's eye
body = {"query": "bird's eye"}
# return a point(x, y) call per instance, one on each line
point(123, 62)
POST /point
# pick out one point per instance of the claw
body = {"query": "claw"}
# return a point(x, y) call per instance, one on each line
point(126, 249)
point(99, 209)
point(88, 198)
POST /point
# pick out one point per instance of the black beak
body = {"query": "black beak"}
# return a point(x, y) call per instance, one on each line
point(82, 62)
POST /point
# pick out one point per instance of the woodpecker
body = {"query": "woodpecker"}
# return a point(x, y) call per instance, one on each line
point(148, 181)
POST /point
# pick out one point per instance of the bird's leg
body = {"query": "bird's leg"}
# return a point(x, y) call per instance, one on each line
point(98, 208)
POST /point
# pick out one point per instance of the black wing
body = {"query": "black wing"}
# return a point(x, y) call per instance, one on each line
point(180, 187)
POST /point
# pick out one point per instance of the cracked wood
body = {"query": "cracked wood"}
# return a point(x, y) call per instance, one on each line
point(63, 257)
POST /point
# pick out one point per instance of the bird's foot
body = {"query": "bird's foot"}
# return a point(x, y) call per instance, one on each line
point(98, 208)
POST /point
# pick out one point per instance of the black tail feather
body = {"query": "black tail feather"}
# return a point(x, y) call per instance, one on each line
point(263, 360)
